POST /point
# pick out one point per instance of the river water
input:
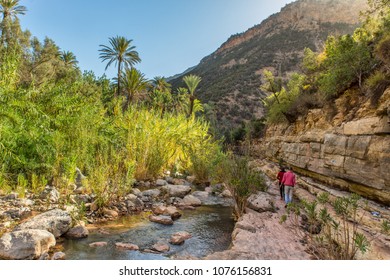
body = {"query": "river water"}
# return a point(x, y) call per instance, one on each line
point(210, 226)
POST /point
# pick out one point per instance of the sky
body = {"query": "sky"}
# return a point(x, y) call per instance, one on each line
point(169, 35)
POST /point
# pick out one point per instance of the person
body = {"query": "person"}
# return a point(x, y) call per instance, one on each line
point(280, 178)
point(289, 181)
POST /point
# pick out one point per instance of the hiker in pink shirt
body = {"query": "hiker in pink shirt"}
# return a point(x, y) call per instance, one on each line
point(289, 183)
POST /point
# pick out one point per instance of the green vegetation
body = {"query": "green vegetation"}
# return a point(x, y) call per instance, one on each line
point(331, 231)
point(54, 119)
point(360, 61)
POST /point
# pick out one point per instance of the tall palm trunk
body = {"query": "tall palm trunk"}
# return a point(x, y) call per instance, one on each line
point(119, 79)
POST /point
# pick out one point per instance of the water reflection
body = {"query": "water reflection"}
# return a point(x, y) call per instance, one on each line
point(210, 226)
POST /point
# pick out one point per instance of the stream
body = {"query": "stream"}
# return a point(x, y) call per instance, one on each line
point(211, 227)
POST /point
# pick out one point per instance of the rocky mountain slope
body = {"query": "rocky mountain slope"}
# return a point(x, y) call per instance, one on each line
point(231, 76)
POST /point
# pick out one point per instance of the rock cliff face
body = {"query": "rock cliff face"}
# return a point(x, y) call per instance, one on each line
point(232, 75)
point(347, 147)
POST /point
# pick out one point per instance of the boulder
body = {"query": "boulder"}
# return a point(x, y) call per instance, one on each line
point(50, 193)
point(190, 200)
point(110, 213)
point(77, 232)
point(169, 211)
point(134, 204)
point(161, 247)
point(55, 221)
point(177, 190)
point(161, 182)
point(261, 202)
point(178, 238)
point(162, 219)
point(153, 193)
point(127, 246)
point(26, 244)
point(136, 192)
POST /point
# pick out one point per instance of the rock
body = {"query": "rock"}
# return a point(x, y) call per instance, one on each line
point(98, 244)
point(162, 219)
point(50, 193)
point(94, 206)
point(55, 221)
point(178, 181)
point(161, 182)
point(169, 211)
point(127, 246)
point(77, 232)
point(110, 213)
point(177, 190)
point(11, 196)
point(153, 193)
point(261, 202)
point(134, 204)
point(26, 202)
point(79, 190)
point(190, 200)
point(136, 192)
point(79, 178)
point(26, 244)
point(161, 247)
point(226, 193)
point(178, 238)
point(58, 256)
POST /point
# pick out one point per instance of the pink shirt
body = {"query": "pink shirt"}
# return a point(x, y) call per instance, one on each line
point(289, 179)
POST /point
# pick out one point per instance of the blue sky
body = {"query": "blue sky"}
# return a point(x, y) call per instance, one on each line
point(170, 35)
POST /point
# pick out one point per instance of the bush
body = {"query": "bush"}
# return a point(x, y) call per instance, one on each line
point(241, 181)
point(376, 85)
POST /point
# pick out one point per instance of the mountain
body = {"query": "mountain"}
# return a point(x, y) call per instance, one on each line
point(231, 76)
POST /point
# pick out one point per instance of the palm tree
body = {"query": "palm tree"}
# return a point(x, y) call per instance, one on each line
point(134, 82)
point(161, 84)
point(119, 52)
point(9, 9)
point(192, 82)
point(69, 59)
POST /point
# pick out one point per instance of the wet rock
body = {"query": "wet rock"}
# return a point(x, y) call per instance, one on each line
point(168, 211)
point(55, 221)
point(98, 244)
point(161, 247)
point(176, 190)
point(77, 232)
point(190, 200)
point(58, 256)
point(261, 202)
point(178, 238)
point(127, 246)
point(162, 219)
point(26, 244)
point(50, 193)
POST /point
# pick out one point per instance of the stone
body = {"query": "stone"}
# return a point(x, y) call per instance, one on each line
point(367, 126)
point(178, 238)
point(98, 244)
point(190, 200)
point(26, 202)
point(168, 211)
point(261, 202)
point(79, 178)
point(127, 246)
point(11, 196)
point(151, 193)
point(191, 179)
point(110, 213)
point(55, 221)
point(162, 219)
point(161, 182)
point(136, 192)
point(58, 256)
point(177, 190)
point(77, 232)
point(161, 247)
point(178, 181)
point(226, 193)
point(26, 244)
point(134, 205)
point(50, 193)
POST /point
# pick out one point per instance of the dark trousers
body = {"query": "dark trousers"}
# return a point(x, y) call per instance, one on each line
point(281, 187)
